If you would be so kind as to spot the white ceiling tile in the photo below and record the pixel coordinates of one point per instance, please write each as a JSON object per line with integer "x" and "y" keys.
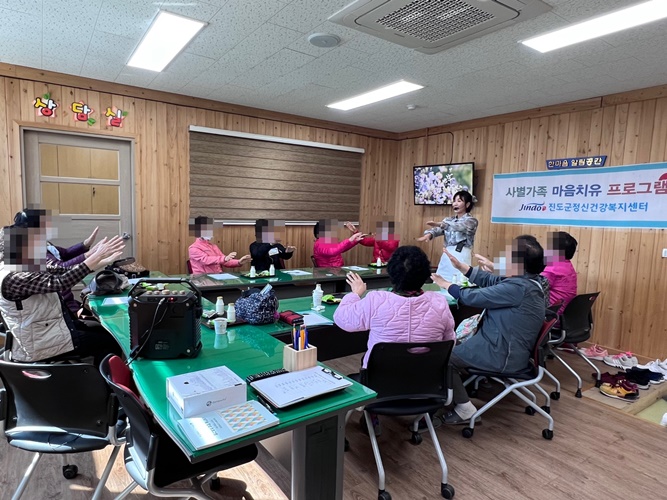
{"x": 196, "y": 91}
{"x": 127, "y": 18}
{"x": 137, "y": 77}
{"x": 166, "y": 83}
{"x": 25, "y": 6}
{"x": 110, "y": 47}
{"x": 304, "y": 15}
{"x": 188, "y": 66}
{"x": 70, "y": 66}
{"x": 273, "y": 67}
{"x": 100, "y": 69}
{"x": 194, "y": 9}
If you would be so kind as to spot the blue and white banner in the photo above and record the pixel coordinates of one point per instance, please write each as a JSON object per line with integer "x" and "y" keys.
{"x": 629, "y": 196}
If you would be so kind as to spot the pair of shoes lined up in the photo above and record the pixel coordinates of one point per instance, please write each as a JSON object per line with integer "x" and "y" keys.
{"x": 622, "y": 361}
{"x": 657, "y": 366}
{"x": 618, "y": 387}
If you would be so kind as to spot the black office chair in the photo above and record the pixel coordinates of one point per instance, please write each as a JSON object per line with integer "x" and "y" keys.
{"x": 312, "y": 258}
{"x": 188, "y": 266}
{"x": 419, "y": 387}
{"x": 58, "y": 409}
{"x": 517, "y": 384}
{"x": 153, "y": 459}
{"x": 551, "y": 313}
{"x": 576, "y": 325}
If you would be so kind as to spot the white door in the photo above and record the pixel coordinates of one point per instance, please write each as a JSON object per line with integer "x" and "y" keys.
{"x": 86, "y": 179}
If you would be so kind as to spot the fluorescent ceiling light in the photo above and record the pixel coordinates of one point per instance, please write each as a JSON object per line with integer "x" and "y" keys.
{"x": 376, "y": 95}
{"x": 164, "y": 40}
{"x": 604, "y": 25}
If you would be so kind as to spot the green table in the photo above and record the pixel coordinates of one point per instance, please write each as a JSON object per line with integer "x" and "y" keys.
{"x": 285, "y": 285}
{"x": 317, "y": 426}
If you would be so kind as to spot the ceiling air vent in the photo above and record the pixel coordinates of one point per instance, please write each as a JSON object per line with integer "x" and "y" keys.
{"x": 431, "y": 26}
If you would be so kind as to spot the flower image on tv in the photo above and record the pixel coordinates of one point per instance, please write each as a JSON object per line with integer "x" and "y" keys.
{"x": 437, "y": 184}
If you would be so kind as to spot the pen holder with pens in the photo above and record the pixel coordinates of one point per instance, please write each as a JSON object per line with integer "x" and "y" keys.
{"x": 294, "y": 360}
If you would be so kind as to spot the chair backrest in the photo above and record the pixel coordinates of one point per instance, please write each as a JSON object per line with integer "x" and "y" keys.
{"x": 67, "y": 398}
{"x": 188, "y": 266}
{"x": 143, "y": 433}
{"x": 577, "y": 320}
{"x": 542, "y": 340}
{"x": 416, "y": 368}
{"x": 552, "y": 310}
{"x": 312, "y": 258}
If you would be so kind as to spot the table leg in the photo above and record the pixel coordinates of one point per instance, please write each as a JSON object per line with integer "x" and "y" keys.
{"x": 317, "y": 459}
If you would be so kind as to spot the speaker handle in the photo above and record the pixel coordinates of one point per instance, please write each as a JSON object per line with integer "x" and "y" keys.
{"x": 165, "y": 281}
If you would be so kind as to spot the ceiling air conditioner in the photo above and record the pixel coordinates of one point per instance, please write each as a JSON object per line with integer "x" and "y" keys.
{"x": 431, "y": 26}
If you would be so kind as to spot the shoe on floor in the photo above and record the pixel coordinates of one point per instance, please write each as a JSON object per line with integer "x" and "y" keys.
{"x": 623, "y": 360}
{"x": 656, "y": 366}
{"x": 608, "y": 378}
{"x": 376, "y": 425}
{"x": 639, "y": 377}
{"x": 453, "y": 418}
{"x": 618, "y": 392}
{"x": 594, "y": 352}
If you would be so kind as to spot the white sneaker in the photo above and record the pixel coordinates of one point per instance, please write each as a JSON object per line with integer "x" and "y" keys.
{"x": 655, "y": 366}
{"x": 623, "y": 361}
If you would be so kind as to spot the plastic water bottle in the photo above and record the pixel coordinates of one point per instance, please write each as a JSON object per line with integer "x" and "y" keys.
{"x": 220, "y": 306}
{"x": 253, "y": 273}
{"x": 318, "y": 293}
{"x": 231, "y": 313}
{"x": 272, "y": 270}
{"x": 378, "y": 262}
{"x": 455, "y": 279}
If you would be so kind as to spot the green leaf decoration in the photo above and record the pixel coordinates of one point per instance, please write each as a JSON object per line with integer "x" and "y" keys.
{"x": 91, "y": 121}
{"x": 125, "y": 113}
{"x": 46, "y": 97}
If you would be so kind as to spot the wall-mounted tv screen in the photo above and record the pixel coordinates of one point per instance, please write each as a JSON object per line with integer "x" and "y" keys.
{"x": 437, "y": 184}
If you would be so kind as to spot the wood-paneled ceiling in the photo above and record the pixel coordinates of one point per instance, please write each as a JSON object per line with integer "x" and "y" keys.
{"x": 256, "y": 53}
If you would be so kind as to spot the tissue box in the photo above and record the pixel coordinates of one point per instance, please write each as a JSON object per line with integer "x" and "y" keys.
{"x": 205, "y": 390}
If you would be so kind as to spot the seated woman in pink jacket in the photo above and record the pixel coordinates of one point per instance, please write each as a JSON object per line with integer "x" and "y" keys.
{"x": 206, "y": 257}
{"x": 384, "y": 242}
{"x": 406, "y": 314}
{"x": 327, "y": 251}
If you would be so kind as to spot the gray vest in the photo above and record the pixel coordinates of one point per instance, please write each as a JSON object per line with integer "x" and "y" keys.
{"x": 38, "y": 328}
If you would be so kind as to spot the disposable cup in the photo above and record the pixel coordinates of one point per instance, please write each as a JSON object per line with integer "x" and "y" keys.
{"x": 220, "y": 325}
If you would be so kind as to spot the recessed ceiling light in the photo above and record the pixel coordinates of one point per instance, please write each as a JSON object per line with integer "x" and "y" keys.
{"x": 604, "y": 25}
{"x": 164, "y": 40}
{"x": 398, "y": 88}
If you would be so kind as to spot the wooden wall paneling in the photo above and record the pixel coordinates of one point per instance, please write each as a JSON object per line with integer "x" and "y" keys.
{"x": 14, "y": 98}
{"x": 5, "y": 167}
{"x": 163, "y": 175}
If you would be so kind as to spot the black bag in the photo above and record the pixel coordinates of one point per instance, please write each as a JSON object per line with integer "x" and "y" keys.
{"x": 257, "y": 308}
{"x": 106, "y": 283}
{"x": 128, "y": 267}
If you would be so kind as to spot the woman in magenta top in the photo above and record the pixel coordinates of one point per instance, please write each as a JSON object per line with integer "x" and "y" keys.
{"x": 559, "y": 271}
{"x": 206, "y": 257}
{"x": 327, "y": 251}
{"x": 384, "y": 243}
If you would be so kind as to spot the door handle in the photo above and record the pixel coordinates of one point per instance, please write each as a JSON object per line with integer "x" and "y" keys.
{"x": 125, "y": 235}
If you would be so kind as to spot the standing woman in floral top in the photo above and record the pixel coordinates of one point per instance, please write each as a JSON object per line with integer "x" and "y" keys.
{"x": 459, "y": 232}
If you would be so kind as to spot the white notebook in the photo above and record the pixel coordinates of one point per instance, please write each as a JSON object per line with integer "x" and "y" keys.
{"x": 294, "y": 387}
{"x": 215, "y": 427}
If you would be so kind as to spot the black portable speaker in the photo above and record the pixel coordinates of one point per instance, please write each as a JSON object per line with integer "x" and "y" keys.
{"x": 165, "y": 324}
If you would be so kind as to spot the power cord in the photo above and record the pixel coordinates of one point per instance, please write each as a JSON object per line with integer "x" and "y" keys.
{"x": 147, "y": 334}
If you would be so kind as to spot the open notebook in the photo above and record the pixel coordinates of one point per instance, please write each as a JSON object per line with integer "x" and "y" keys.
{"x": 294, "y": 387}
{"x": 232, "y": 422}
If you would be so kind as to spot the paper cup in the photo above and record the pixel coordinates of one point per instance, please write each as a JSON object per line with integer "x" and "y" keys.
{"x": 220, "y": 325}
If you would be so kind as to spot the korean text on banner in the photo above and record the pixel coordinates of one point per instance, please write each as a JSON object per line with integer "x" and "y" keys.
{"x": 628, "y": 196}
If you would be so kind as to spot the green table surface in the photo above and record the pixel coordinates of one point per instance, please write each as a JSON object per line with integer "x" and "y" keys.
{"x": 249, "y": 349}
{"x": 316, "y": 274}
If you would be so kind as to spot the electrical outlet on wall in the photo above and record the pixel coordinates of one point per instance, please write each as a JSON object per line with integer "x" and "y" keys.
{"x": 664, "y": 253}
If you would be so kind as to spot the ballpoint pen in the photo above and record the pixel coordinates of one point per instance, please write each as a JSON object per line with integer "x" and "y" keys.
{"x": 265, "y": 404}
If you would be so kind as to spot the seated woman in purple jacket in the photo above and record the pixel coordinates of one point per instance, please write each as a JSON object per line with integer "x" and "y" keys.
{"x": 406, "y": 314}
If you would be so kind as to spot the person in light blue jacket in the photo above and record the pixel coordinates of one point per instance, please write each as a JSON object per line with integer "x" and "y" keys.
{"x": 515, "y": 310}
